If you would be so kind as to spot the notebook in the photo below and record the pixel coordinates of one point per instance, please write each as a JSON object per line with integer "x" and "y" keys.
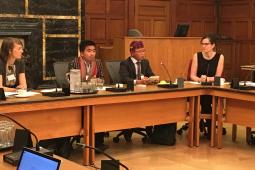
{"x": 33, "y": 160}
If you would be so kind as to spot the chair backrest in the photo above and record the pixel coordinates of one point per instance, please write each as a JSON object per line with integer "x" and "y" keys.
{"x": 113, "y": 68}
{"x": 60, "y": 70}
{"x": 134, "y": 33}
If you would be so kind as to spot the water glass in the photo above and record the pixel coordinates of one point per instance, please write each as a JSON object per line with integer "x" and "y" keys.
{"x": 93, "y": 83}
{"x": 77, "y": 87}
{"x": 7, "y": 133}
{"x": 100, "y": 83}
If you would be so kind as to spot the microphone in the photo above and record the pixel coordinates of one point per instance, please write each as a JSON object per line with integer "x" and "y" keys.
{"x": 166, "y": 70}
{"x": 116, "y": 162}
{"x": 13, "y": 158}
{"x": 170, "y": 85}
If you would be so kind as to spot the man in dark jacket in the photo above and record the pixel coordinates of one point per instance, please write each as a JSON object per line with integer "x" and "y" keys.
{"x": 136, "y": 68}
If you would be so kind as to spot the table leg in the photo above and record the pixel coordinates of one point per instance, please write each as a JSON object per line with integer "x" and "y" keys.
{"x": 197, "y": 120}
{"x": 191, "y": 121}
{"x": 86, "y": 134}
{"x": 220, "y": 122}
{"x": 213, "y": 126}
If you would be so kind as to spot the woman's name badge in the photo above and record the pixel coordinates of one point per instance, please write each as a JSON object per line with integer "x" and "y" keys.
{"x": 11, "y": 77}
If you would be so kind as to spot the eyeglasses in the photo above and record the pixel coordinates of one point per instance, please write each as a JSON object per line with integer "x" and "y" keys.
{"x": 205, "y": 43}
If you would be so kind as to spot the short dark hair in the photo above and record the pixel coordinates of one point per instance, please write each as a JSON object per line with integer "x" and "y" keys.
{"x": 85, "y": 43}
{"x": 211, "y": 37}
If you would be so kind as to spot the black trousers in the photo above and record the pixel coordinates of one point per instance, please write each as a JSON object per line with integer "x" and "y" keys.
{"x": 206, "y": 107}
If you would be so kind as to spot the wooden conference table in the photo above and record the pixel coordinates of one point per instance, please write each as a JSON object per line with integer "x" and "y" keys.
{"x": 239, "y": 109}
{"x": 106, "y": 111}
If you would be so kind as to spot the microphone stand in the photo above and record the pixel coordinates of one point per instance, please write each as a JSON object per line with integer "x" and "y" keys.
{"x": 170, "y": 85}
{"x": 99, "y": 150}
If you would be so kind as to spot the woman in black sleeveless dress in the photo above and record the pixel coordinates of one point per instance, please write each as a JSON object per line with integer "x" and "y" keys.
{"x": 205, "y": 66}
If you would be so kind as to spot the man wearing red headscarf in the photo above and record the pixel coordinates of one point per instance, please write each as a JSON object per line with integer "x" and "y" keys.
{"x": 136, "y": 68}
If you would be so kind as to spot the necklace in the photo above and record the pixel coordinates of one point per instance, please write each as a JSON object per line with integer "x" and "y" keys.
{"x": 209, "y": 56}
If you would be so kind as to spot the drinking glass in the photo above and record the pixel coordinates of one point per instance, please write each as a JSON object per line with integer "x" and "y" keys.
{"x": 100, "y": 83}
{"x": 77, "y": 87}
{"x": 93, "y": 83}
{"x": 7, "y": 133}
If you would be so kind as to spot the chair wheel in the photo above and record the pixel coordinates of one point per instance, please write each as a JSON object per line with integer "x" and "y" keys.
{"x": 116, "y": 140}
{"x": 179, "y": 132}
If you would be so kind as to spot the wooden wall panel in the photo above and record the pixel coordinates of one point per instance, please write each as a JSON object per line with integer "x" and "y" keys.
{"x": 253, "y": 29}
{"x": 238, "y": 23}
{"x": 160, "y": 18}
{"x": 241, "y": 29}
{"x": 238, "y": 13}
{"x": 105, "y": 19}
{"x": 152, "y": 17}
{"x": 116, "y": 28}
{"x": 202, "y": 9}
{"x": 156, "y": 14}
{"x": 227, "y": 28}
{"x": 117, "y": 8}
{"x": 160, "y": 28}
{"x": 98, "y": 25}
{"x": 95, "y": 6}
{"x": 196, "y": 28}
{"x": 235, "y": 9}
{"x": 227, "y": 48}
{"x": 210, "y": 26}
{"x": 182, "y": 9}
{"x": 200, "y": 14}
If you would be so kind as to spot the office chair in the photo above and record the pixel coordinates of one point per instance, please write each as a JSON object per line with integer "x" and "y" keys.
{"x": 113, "y": 69}
{"x": 134, "y": 33}
{"x": 60, "y": 70}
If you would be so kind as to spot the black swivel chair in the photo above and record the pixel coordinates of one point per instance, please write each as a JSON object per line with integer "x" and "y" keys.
{"x": 113, "y": 70}
{"x": 60, "y": 70}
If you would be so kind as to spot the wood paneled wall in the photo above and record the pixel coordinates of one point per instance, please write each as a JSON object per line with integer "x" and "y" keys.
{"x": 108, "y": 19}
{"x": 238, "y": 23}
{"x": 237, "y": 19}
{"x": 200, "y": 14}
{"x": 105, "y": 20}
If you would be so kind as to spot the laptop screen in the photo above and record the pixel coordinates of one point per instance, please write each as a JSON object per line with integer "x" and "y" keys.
{"x": 32, "y": 160}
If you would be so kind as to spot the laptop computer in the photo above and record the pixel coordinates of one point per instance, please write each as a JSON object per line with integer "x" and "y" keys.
{"x": 31, "y": 159}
